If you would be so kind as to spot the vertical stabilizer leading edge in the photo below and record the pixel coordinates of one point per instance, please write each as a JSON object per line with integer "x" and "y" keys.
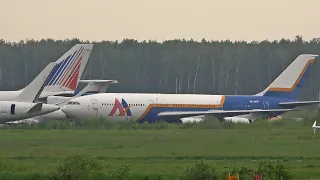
{"x": 34, "y": 89}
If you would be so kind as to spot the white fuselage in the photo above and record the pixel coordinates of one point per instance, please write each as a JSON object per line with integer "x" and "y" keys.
{"x": 55, "y": 115}
{"x": 11, "y": 95}
{"x": 52, "y": 115}
{"x": 11, "y": 111}
{"x": 114, "y": 106}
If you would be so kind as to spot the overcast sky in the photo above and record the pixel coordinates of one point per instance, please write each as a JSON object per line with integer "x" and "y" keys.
{"x": 98, "y": 20}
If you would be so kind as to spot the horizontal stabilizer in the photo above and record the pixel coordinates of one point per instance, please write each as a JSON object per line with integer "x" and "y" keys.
{"x": 217, "y": 113}
{"x": 99, "y": 81}
{"x": 298, "y": 103}
{"x": 95, "y": 86}
{"x": 36, "y": 108}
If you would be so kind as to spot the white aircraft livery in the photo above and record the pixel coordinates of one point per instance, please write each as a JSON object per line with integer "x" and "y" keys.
{"x": 24, "y": 105}
{"x": 281, "y": 96}
{"x": 93, "y": 86}
{"x": 64, "y": 78}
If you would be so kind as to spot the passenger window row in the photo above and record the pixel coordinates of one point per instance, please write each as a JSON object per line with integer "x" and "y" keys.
{"x": 111, "y": 104}
{"x": 251, "y": 106}
{"x": 189, "y": 105}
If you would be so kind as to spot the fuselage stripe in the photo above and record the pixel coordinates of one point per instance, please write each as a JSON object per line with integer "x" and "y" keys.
{"x": 63, "y": 72}
{"x": 63, "y": 67}
{"x": 56, "y": 77}
{"x": 56, "y": 71}
{"x": 66, "y": 75}
{"x": 73, "y": 78}
{"x": 73, "y": 73}
{"x": 209, "y": 106}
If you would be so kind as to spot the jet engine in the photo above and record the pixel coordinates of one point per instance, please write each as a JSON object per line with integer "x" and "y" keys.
{"x": 193, "y": 119}
{"x": 238, "y": 120}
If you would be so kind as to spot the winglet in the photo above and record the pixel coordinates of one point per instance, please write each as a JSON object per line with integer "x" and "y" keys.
{"x": 34, "y": 89}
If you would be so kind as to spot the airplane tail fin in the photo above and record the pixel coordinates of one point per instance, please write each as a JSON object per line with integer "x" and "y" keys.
{"x": 94, "y": 86}
{"x": 288, "y": 84}
{"x": 34, "y": 89}
{"x": 66, "y": 75}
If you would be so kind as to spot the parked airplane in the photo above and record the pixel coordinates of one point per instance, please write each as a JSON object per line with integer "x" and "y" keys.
{"x": 281, "y": 96}
{"x": 93, "y": 86}
{"x": 315, "y": 127}
{"x": 24, "y": 105}
{"x": 65, "y": 76}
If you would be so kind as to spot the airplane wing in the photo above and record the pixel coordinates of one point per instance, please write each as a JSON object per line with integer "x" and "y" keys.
{"x": 298, "y": 103}
{"x": 217, "y": 113}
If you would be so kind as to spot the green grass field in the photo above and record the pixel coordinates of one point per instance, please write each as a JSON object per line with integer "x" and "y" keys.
{"x": 170, "y": 149}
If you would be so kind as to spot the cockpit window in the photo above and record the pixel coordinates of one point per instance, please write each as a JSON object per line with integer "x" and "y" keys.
{"x": 73, "y": 102}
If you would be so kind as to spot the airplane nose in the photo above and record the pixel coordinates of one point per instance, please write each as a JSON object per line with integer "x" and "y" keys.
{"x": 48, "y": 108}
{"x": 66, "y": 109}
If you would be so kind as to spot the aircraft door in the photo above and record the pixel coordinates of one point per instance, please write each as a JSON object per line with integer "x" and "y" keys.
{"x": 95, "y": 105}
{"x": 12, "y": 109}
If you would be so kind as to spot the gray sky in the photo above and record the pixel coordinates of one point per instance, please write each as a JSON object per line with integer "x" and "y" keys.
{"x": 159, "y": 20}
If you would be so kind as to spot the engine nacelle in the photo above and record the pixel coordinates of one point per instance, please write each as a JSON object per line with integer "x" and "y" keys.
{"x": 194, "y": 119}
{"x": 237, "y": 120}
{"x": 24, "y": 121}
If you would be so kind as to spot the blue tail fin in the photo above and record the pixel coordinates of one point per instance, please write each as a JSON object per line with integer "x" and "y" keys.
{"x": 289, "y": 83}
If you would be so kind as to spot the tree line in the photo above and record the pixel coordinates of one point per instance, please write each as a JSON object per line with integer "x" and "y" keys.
{"x": 172, "y": 66}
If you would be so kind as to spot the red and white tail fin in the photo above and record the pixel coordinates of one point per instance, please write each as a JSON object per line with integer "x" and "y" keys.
{"x": 66, "y": 75}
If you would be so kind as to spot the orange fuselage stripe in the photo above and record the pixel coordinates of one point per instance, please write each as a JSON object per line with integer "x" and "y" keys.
{"x": 210, "y": 106}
